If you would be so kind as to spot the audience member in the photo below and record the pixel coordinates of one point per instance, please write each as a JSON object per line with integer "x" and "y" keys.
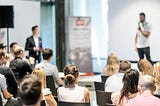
{"x": 48, "y": 67}
{"x": 30, "y": 91}
{"x": 18, "y": 65}
{"x": 3, "y": 86}
{"x": 112, "y": 65}
{"x": 71, "y": 92}
{"x": 156, "y": 74}
{"x": 48, "y": 97}
{"x": 12, "y": 47}
{"x": 145, "y": 67}
{"x": 9, "y": 75}
{"x": 129, "y": 89}
{"x": 3, "y": 48}
{"x": 111, "y": 84}
{"x": 34, "y": 44}
{"x": 146, "y": 89}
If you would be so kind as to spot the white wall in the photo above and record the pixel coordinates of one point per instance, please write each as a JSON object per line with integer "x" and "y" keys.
{"x": 26, "y": 15}
{"x": 123, "y": 20}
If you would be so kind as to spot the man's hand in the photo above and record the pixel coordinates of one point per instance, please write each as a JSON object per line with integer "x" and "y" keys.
{"x": 36, "y": 49}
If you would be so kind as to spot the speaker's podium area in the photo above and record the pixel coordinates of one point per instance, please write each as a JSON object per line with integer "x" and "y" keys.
{"x": 88, "y": 81}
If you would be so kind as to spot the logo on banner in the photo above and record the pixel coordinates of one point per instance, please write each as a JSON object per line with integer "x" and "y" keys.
{"x": 80, "y": 22}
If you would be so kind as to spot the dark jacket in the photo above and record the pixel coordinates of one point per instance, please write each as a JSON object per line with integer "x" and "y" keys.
{"x": 20, "y": 66}
{"x": 10, "y": 78}
{"x": 30, "y": 44}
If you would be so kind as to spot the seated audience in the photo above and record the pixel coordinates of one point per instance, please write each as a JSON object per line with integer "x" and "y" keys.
{"x": 9, "y": 75}
{"x": 50, "y": 70}
{"x": 71, "y": 92}
{"x": 3, "y": 86}
{"x": 112, "y": 65}
{"x": 156, "y": 74}
{"x": 145, "y": 67}
{"x": 111, "y": 84}
{"x": 48, "y": 97}
{"x": 18, "y": 65}
{"x": 146, "y": 89}
{"x": 30, "y": 91}
{"x": 129, "y": 89}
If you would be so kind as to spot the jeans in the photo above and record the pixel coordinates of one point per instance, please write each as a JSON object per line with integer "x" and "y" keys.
{"x": 144, "y": 51}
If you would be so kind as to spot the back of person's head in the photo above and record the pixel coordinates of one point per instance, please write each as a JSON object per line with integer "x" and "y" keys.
{"x": 71, "y": 73}
{"x": 2, "y": 58}
{"x": 47, "y": 53}
{"x": 130, "y": 82}
{"x": 146, "y": 82}
{"x": 18, "y": 50}
{"x": 145, "y": 67}
{"x": 112, "y": 59}
{"x": 156, "y": 74}
{"x": 30, "y": 90}
{"x": 124, "y": 66}
{"x": 41, "y": 75}
{"x": 112, "y": 65}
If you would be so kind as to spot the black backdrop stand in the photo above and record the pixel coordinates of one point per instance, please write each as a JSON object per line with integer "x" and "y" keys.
{"x": 8, "y": 40}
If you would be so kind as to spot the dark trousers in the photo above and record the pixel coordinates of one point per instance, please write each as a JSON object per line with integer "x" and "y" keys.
{"x": 144, "y": 51}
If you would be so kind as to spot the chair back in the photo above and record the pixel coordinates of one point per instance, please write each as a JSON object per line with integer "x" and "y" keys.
{"x": 103, "y": 98}
{"x": 156, "y": 95}
{"x": 99, "y": 86}
{"x": 50, "y": 84}
{"x": 1, "y": 101}
{"x": 104, "y": 78}
{"x": 60, "y": 103}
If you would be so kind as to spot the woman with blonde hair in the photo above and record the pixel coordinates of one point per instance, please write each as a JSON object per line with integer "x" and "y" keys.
{"x": 112, "y": 65}
{"x": 71, "y": 92}
{"x": 48, "y": 97}
{"x": 145, "y": 67}
{"x": 156, "y": 74}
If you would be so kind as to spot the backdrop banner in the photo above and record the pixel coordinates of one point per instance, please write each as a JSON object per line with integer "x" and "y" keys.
{"x": 79, "y": 39}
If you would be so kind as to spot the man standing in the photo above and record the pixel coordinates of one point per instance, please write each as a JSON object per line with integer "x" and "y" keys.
{"x": 34, "y": 44}
{"x": 142, "y": 39}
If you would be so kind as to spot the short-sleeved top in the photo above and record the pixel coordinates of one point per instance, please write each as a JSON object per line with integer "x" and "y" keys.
{"x": 75, "y": 94}
{"x": 3, "y": 86}
{"x": 143, "y": 41}
{"x": 114, "y": 83}
{"x": 49, "y": 69}
{"x": 144, "y": 101}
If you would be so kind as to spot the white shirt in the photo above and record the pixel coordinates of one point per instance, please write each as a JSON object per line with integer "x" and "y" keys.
{"x": 143, "y": 41}
{"x": 114, "y": 83}
{"x": 36, "y": 41}
{"x": 71, "y": 94}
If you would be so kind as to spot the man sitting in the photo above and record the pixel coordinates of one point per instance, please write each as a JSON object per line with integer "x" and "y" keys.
{"x": 48, "y": 67}
{"x": 146, "y": 89}
{"x": 18, "y": 65}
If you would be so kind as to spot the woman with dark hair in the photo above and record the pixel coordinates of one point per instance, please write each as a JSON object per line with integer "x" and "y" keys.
{"x": 71, "y": 92}
{"x": 129, "y": 89}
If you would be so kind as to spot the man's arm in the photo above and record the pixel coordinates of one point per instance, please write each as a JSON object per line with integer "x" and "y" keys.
{"x": 27, "y": 45}
{"x": 136, "y": 37}
{"x": 144, "y": 33}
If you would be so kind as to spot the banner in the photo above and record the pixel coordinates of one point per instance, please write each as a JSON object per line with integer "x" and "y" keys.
{"x": 79, "y": 40}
